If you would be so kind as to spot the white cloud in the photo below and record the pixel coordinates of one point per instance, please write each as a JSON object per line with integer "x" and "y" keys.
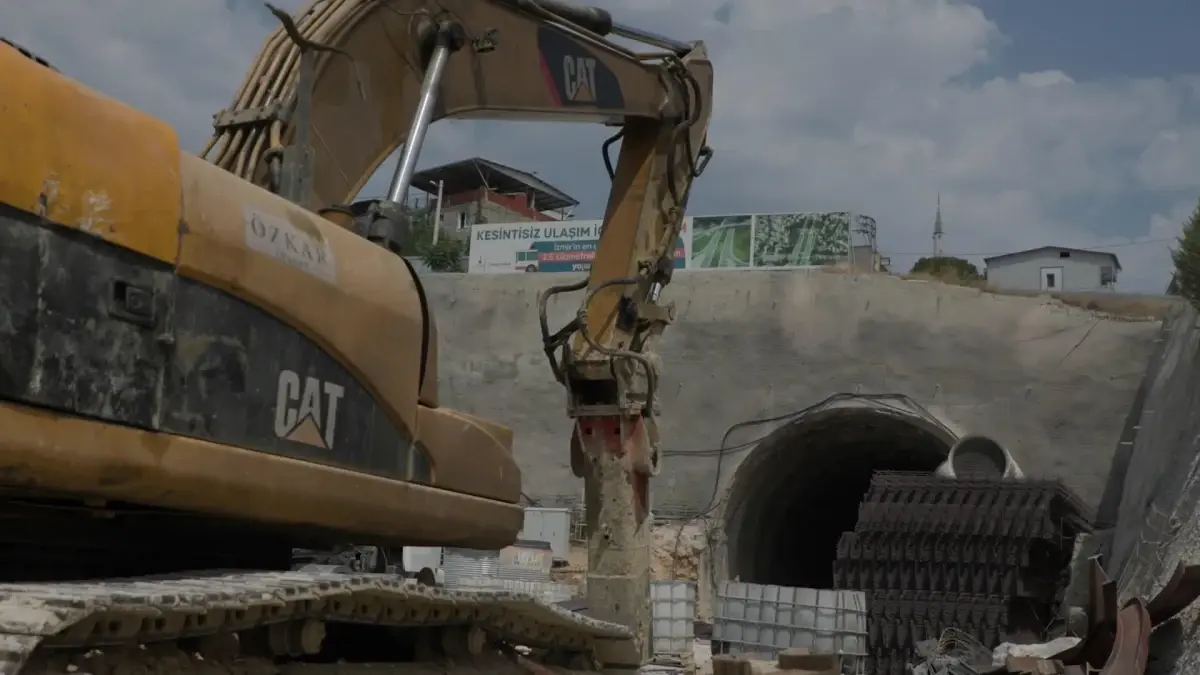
{"x": 1045, "y": 78}
{"x": 824, "y": 104}
{"x": 175, "y": 59}
{"x": 1171, "y": 160}
{"x": 1150, "y": 263}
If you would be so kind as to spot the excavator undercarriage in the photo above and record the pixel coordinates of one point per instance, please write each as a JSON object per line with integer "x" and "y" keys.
{"x": 213, "y": 369}
{"x": 228, "y": 620}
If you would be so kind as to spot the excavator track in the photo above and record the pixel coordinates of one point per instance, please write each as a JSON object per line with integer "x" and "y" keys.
{"x": 74, "y": 619}
{"x": 177, "y": 662}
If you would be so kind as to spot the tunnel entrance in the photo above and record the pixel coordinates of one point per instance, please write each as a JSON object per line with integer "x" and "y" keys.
{"x": 799, "y": 490}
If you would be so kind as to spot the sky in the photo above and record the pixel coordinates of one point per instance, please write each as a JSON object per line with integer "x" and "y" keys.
{"x": 1063, "y": 122}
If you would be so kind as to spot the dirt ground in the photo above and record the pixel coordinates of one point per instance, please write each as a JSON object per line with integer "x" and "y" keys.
{"x": 1110, "y": 304}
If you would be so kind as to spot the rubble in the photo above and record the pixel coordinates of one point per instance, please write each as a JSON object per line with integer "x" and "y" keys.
{"x": 675, "y": 555}
{"x": 1043, "y": 650}
{"x": 788, "y": 662}
{"x": 676, "y": 551}
{"x": 954, "y": 653}
{"x": 1118, "y": 641}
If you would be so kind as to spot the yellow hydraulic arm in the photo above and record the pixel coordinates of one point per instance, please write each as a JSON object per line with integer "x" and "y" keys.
{"x": 607, "y": 358}
{"x": 338, "y": 89}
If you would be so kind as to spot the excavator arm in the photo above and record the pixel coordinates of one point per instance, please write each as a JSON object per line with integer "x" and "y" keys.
{"x": 378, "y": 72}
{"x": 334, "y": 92}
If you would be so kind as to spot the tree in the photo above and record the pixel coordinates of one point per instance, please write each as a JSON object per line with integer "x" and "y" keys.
{"x": 444, "y": 256}
{"x": 1186, "y": 257}
{"x": 947, "y": 267}
{"x": 419, "y": 234}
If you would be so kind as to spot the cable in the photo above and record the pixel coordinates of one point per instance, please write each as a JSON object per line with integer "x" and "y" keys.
{"x": 882, "y": 400}
{"x": 879, "y": 399}
{"x": 1103, "y": 247}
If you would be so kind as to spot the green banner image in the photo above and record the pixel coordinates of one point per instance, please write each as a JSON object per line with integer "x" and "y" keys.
{"x": 799, "y": 239}
{"x": 720, "y": 241}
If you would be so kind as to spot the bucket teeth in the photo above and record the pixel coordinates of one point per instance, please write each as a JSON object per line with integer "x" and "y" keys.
{"x": 987, "y": 557}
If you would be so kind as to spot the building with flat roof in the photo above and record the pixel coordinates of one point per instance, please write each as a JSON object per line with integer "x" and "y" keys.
{"x": 479, "y": 190}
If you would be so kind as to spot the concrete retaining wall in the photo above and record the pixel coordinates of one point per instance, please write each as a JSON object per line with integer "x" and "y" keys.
{"x": 1052, "y": 383}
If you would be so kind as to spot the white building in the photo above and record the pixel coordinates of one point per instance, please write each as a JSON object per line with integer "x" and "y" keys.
{"x": 1053, "y": 269}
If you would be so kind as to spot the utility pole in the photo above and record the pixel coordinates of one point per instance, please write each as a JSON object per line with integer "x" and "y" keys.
{"x": 437, "y": 214}
{"x": 937, "y": 229}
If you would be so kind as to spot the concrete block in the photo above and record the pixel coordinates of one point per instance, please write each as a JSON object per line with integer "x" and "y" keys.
{"x": 801, "y": 659}
{"x": 726, "y": 664}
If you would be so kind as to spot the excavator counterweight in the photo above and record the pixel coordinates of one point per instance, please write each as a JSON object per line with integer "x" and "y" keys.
{"x": 214, "y": 365}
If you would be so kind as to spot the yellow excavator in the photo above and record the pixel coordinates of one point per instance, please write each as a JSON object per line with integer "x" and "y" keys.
{"x": 210, "y": 362}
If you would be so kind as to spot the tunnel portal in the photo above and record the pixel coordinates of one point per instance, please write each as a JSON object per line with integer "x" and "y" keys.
{"x": 801, "y": 486}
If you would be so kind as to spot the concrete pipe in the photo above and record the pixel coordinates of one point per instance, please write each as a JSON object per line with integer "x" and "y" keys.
{"x": 975, "y": 455}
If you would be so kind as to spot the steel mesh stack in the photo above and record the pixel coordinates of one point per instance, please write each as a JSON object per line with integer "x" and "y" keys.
{"x": 988, "y": 557}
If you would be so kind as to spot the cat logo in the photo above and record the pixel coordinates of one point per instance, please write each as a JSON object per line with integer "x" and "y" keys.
{"x": 579, "y": 76}
{"x": 307, "y": 414}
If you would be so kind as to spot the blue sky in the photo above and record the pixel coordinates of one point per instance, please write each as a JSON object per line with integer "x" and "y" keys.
{"x": 1099, "y": 40}
{"x": 1095, "y": 38}
{"x": 1040, "y": 122}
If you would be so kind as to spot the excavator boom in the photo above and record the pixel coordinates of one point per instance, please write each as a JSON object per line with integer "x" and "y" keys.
{"x": 314, "y": 122}
{"x": 484, "y": 59}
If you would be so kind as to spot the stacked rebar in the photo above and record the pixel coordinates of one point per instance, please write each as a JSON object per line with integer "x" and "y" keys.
{"x": 988, "y": 557}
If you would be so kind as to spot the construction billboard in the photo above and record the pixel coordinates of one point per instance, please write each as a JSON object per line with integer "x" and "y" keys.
{"x": 562, "y": 246}
{"x": 753, "y": 240}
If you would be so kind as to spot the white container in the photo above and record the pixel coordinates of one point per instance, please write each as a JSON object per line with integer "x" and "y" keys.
{"x": 547, "y": 592}
{"x": 464, "y": 566}
{"x": 673, "y": 616}
{"x": 526, "y": 561}
{"x": 550, "y": 525}
{"x": 753, "y": 618}
{"x": 417, "y": 557}
{"x": 523, "y": 561}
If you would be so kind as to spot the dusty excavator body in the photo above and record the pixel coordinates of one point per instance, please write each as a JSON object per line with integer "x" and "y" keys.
{"x": 206, "y": 365}
{"x": 181, "y": 339}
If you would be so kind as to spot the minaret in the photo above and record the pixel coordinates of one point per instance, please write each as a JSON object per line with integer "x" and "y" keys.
{"x": 937, "y": 229}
